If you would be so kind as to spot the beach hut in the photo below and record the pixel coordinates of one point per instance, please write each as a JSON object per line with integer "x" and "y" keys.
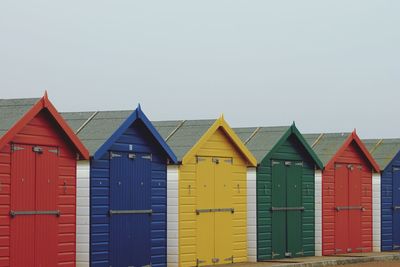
{"x": 123, "y": 223}
{"x": 344, "y": 221}
{"x": 207, "y": 193}
{"x": 283, "y": 223}
{"x": 38, "y": 154}
{"x": 386, "y": 192}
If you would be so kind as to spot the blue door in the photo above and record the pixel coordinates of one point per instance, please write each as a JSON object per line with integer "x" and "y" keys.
{"x": 130, "y": 209}
{"x": 396, "y": 208}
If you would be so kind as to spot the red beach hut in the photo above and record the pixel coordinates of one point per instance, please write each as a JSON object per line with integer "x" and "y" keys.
{"x": 38, "y": 154}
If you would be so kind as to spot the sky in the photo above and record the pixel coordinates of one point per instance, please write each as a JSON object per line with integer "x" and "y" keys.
{"x": 330, "y": 66}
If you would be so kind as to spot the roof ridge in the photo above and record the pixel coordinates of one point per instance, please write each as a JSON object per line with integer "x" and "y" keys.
{"x": 175, "y": 130}
{"x": 252, "y": 135}
{"x": 86, "y": 122}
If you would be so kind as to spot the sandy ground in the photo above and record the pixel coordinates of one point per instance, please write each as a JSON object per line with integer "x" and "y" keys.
{"x": 375, "y": 264}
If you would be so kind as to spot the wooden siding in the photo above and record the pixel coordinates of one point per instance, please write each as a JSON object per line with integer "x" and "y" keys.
{"x": 387, "y": 204}
{"x": 219, "y": 145}
{"x": 318, "y": 213}
{"x": 376, "y": 212}
{"x": 351, "y": 155}
{"x": 172, "y": 216}
{"x": 41, "y": 130}
{"x": 290, "y": 150}
{"x": 135, "y": 139}
{"x": 252, "y": 214}
{"x": 82, "y": 213}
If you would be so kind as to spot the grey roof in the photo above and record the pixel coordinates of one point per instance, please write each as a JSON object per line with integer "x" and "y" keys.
{"x": 383, "y": 150}
{"x": 182, "y": 135}
{"x": 95, "y": 128}
{"x": 326, "y": 145}
{"x": 12, "y": 110}
{"x": 261, "y": 140}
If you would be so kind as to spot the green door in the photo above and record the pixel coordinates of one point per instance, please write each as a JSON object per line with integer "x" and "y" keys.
{"x": 294, "y": 203}
{"x": 278, "y": 202}
{"x": 286, "y": 209}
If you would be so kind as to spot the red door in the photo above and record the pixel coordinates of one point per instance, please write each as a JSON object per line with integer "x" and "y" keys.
{"x": 347, "y": 208}
{"x": 34, "y": 214}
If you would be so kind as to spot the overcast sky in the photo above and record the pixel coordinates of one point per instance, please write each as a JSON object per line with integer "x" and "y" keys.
{"x": 328, "y": 65}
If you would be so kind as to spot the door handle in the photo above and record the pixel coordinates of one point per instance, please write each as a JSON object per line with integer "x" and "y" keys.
{"x": 119, "y": 212}
{"x": 339, "y": 208}
{"x": 287, "y": 209}
{"x": 14, "y": 213}
{"x": 231, "y": 210}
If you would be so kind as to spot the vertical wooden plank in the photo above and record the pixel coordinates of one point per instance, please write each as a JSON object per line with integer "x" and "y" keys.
{"x": 46, "y": 226}
{"x": 23, "y": 197}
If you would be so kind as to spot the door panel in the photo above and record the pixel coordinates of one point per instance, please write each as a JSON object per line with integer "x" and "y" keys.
{"x": 354, "y": 196}
{"x": 142, "y": 201}
{"x": 294, "y": 199}
{"x": 130, "y": 191}
{"x": 279, "y": 238}
{"x": 121, "y": 230}
{"x": 342, "y": 216}
{"x": 205, "y": 221}
{"x": 22, "y": 243}
{"x": 224, "y": 219}
{"x": 396, "y": 207}
{"x": 46, "y": 226}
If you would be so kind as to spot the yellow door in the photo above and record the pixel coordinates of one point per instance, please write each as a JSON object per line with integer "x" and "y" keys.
{"x": 214, "y": 211}
{"x": 224, "y": 211}
{"x": 205, "y": 217}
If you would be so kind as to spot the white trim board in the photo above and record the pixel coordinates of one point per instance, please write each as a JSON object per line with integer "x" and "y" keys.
{"x": 172, "y": 216}
{"x": 252, "y": 214}
{"x": 318, "y": 213}
{"x": 376, "y": 212}
{"x": 82, "y": 213}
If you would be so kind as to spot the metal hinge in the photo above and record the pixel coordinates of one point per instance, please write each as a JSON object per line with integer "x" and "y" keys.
{"x": 396, "y": 169}
{"x": 230, "y": 161}
{"x": 149, "y": 157}
{"x": 299, "y": 164}
{"x": 214, "y": 260}
{"x": 131, "y": 156}
{"x": 350, "y": 167}
{"x": 396, "y": 207}
{"x": 198, "y": 159}
{"x": 215, "y": 160}
{"x": 16, "y": 148}
{"x": 288, "y": 163}
{"x": 55, "y": 151}
{"x": 230, "y": 259}
{"x": 288, "y": 254}
{"x": 37, "y": 149}
{"x": 275, "y": 162}
{"x": 198, "y": 262}
{"x": 275, "y": 254}
{"x": 337, "y": 166}
{"x": 359, "y": 167}
{"x": 114, "y": 155}
{"x": 396, "y": 246}
{"x": 338, "y": 250}
{"x": 349, "y": 250}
